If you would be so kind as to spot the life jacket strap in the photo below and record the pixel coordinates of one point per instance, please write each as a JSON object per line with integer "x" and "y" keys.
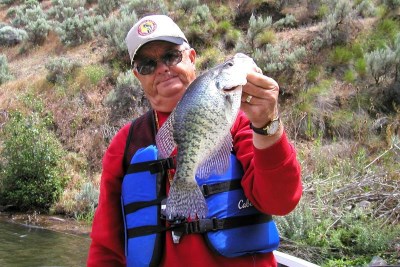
{"x": 206, "y": 225}
{"x": 145, "y": 230}
{"x": 154, "y": 166}
{"x": 211, "y": 189}
{"x": 134, "y": 206}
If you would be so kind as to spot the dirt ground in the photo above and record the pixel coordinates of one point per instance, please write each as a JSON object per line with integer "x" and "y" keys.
{"x": 55, "y": 223}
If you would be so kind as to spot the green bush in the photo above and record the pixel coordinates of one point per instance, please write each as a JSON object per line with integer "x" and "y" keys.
{"x": 62, "y": 9}
{"x": 283, "y": 57}
{"x": 7, "y": 2}
{"x": 33, "y": 176}
{"x": 38, "y": 27}
{"x": 4, "y": 70}
{"x": 257, "y": 26}
{"x": 341, "y": 55}
{"x": 86, "y": 202}
{"x": 186, "y": 5}
{"x": 337, "y": 24}
{"x": 145, "y": 7}
{"x": 105, "y": 7}
{"x": 10, "y": 36}
{"x": 127, "y": 97}
{"x": 33, "y": 19}
{"x": 59, "y": 69}
{"x": 115, "y": 30}
{"x": 391, "y": 4}
{"x": 78, "y": 29}
{"x": 289, "y": 21}
{"x": 380, "y": 63}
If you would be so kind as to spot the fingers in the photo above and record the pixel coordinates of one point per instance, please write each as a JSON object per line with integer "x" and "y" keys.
{"x": 260, "y": 98}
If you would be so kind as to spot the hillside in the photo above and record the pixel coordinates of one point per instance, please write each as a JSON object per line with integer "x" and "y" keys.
{"x": 337, "y": 64}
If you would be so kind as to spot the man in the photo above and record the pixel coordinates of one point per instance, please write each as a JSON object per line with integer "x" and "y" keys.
{"x": 164, "y": 63}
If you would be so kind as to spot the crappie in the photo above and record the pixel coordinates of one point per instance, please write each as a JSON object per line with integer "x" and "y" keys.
{"x": 200, "y": 126}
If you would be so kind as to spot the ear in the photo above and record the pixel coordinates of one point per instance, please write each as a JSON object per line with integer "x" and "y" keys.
{"x": 192, "y": 56}
{"x": 135, "y": 72}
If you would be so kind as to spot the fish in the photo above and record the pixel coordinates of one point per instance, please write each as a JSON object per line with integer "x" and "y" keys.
{"x": 199, "y": 126}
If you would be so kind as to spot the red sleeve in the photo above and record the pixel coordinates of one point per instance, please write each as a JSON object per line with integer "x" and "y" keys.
{"x": 107, "y": 247}
{"x": 272, "y": 180}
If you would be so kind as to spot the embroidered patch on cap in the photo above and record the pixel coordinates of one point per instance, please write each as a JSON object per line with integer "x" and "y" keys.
{"x": 147, "y": 27}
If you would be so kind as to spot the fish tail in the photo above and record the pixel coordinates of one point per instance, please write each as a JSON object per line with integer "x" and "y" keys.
{"x": 186, "y": 199}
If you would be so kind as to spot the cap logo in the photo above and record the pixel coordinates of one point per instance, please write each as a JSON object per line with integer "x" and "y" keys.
{"x": 147, "y": 27}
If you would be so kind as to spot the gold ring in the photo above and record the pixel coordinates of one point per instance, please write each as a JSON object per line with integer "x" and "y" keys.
{"x": 248, "y": 99}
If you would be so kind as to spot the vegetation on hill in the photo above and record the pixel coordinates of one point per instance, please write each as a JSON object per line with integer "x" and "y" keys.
{"x": 66, "y": 87}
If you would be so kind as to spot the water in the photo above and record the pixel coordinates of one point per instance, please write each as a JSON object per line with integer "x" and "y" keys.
{"x": 22, "y": 246}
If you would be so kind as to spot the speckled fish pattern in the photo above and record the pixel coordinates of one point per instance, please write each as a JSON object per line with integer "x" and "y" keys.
{"x": 200, "y": 127}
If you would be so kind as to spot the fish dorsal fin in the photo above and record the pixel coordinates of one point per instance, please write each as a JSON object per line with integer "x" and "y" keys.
{"x": 165, "y": 139}
{"x": 218, "y": 161}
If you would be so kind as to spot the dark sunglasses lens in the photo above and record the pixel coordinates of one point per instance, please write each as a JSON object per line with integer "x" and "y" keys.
{"x": 146, "y": 67}
{"x": 172, "y": 58}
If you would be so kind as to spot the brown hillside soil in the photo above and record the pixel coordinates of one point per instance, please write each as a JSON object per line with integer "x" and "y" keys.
{"x": 31, "y": 63}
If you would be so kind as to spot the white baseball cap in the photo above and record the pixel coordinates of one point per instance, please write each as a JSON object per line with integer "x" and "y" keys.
{"x": 153, "y": 28}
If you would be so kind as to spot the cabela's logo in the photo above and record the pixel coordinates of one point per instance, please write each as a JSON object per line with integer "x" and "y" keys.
{"x": 244, "y": 204}
{"x": 147, "y": 27}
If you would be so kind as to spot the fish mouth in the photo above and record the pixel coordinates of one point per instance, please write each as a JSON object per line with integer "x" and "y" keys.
{"x": 231, "y": 89}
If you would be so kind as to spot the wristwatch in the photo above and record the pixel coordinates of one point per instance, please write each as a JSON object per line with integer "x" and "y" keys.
{"x": 270, "y": 128}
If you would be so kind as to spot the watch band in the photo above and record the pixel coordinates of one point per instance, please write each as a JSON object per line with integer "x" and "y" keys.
{"x": 265, "y": 130}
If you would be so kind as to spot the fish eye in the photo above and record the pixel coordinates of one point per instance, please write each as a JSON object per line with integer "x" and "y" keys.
{"x": 229, "y": 64}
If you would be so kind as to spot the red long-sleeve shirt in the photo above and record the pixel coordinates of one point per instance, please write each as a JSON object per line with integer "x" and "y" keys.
{"x": 271, "y": 182}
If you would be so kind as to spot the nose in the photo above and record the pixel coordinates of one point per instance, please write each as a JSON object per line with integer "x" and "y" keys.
{"x": 161, "y": 67}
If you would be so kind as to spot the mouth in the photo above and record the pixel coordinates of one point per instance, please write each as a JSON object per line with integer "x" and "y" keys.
{"x": 231, "y": 89}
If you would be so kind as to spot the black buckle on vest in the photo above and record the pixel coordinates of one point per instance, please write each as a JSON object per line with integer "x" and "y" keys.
{"x": 202, "y": 226}
{"x": 161, "y": 165}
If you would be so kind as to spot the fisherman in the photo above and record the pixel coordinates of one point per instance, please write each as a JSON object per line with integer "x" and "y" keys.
{"x": 164, "y": 63}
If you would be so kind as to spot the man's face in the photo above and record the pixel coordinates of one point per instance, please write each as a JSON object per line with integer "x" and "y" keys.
{"x": 165, "y": 86}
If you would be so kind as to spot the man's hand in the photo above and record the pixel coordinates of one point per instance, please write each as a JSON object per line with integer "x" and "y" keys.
{"x": 260, "y": 103}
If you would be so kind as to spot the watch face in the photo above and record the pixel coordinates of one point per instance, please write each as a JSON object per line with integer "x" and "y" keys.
{"x": 273, "y": 127}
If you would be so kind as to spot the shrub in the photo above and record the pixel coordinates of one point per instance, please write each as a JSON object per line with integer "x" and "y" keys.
{"x": 37, "y": 27}
{"x": 94, "y": 73}
{"x": 337, "y": 25}
{"x": 185, "y": 5}
{"x": 10, "y": 36}
{"x": 257, "y": 26}
{"x": 360, "y": 66}
{"x": 277, "y": 58}
{"x": 127, "y": 97}
{"x": 33, "y": 19}
{"x": 379, "y": 63}
{"x": 392, "y": 4}
{"x": 366, "y": 8}
{"x": 349, "y": 76}
{"x": 7, "y": 2}
{"x": 33, "y": 176}
{"x": 78, "y": 29}
{"x": 4, "y": 70}
{"x": 59, "y": 69}
{"x": 288, "y": 21}
{"x": 105, "y": 7}
{"x": 145, "y": 7}
{"x": 86, "y": 202}
{"x": 340, "y": 56}
{"x": 62, "y": 9}
{"x": 115, "y": 30}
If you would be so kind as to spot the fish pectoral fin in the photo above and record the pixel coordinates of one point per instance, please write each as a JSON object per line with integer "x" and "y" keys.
{"x": 218, "y": 161}
{"x": 165, "y": 139}
{"x": 186, "y": 199}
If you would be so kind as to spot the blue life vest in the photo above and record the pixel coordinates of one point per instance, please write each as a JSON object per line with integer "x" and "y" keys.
{"x": 233, "y": 227}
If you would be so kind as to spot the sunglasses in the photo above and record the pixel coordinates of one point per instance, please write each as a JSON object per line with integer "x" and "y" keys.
{"x": 170, "y": 58}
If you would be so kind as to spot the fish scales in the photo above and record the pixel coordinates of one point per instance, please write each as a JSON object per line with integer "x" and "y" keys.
{"x": 200, "y": 127}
